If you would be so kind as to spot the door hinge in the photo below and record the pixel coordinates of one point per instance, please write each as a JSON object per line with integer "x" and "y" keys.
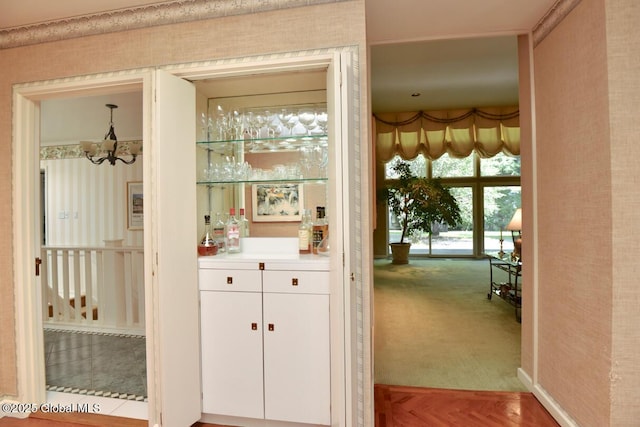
{"x": 38, "y": 262}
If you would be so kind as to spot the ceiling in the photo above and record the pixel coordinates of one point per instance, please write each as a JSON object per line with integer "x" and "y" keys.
{"x": 454, "y": 53}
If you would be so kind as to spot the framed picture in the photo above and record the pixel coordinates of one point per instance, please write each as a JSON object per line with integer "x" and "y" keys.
{"x": 135, "y": 205}
{"x": 277, "y": 202}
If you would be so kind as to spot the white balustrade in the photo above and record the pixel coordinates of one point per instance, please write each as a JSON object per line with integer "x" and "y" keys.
{"x": 93, "y": 288}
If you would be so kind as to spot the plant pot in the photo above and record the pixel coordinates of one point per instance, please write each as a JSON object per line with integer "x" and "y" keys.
{"x": 400, "y": 253}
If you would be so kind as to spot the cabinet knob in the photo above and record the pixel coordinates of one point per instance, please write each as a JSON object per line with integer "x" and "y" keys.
{"x": 229, "y": 280}
{"x": 271, "y": 327}
{"x": 294, "y": 281}
{"x": 254, "y": 326}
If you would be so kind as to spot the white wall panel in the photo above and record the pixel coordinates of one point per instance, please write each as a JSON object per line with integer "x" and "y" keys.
{"x": 86, "y": 203}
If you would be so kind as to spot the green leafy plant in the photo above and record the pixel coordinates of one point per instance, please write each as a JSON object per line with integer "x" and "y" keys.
{"x": 419, "y": 202}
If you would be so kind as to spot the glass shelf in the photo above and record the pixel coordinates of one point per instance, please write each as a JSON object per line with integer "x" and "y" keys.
{"x": 263, "y": 181}
{"x": 259, "y": 145}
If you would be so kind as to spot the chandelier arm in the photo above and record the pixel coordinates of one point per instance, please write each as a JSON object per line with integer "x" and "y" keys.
{"x": 95, "y": 162}
{"x": 127, "y": 162}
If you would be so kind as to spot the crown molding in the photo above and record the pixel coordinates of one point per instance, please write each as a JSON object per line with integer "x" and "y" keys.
{"x": 552, "y": 18}
{"x": 170, "y": 12}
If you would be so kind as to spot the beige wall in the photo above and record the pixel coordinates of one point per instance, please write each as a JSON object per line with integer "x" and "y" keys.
{"x": 623, "y": 66}
{"x": 328, "y": 25}
{"x": 586, "y": 94}
{"x": 526, "y": 200}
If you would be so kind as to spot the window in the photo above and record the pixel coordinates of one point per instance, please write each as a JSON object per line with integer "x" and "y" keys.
{"x": 487, "y": 190}
{"x": 449, "y": 167}
{"x": 499, "y": 205}
{"x": 500, "y": 165}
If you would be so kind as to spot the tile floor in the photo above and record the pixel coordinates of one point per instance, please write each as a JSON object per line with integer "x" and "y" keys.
{"x": 99, "y": 365}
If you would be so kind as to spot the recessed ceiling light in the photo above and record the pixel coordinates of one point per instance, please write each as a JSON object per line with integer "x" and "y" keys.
{"x": 415, "y": 94}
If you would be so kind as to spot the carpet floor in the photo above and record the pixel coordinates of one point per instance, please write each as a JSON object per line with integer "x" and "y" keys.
{"x": 435, "y": 327}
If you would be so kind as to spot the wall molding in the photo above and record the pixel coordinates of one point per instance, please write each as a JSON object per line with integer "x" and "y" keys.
{"x": 170, "y": 12}
{"x": 74, "y": 151}
{"x": 552, "y": 18}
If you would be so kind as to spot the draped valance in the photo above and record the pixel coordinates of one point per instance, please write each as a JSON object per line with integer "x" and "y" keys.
{"x": 488, "y": 131}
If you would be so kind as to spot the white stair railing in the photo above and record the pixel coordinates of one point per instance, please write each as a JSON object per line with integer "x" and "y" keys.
{"x": 93, "y": 288}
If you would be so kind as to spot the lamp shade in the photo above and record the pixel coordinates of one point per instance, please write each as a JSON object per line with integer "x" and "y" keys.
{"x": 516, "y": 222}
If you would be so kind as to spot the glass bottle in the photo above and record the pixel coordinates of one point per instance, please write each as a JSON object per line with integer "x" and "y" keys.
{"x": 305, "y": 233}
{"x": 232, "y": 233}
{"x": 244, "y": 224}
{"x": 218, "y": 233}
{"x": 208, "y": 245}
{"x": 320, "y": 228}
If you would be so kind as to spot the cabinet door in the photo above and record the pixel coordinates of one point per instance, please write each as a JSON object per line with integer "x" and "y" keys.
{"x": 231, "y": 328}
{"x": 171, "y": 290}
{"x": 297, "y": 358}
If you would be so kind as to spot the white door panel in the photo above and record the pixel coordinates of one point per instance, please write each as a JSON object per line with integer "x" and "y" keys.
{"x": 297, "y": 358}
{"x": 232, "y": 353}
{"x": 170, "y": 193}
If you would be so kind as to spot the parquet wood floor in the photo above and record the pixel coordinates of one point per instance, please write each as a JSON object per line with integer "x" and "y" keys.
{"x": 424, "y": 407}
{"x": 395, "y": 406}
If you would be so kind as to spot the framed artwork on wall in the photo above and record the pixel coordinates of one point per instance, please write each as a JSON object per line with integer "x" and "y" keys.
{"x": 135, "y": 205}
{"x": 280, "y": 202}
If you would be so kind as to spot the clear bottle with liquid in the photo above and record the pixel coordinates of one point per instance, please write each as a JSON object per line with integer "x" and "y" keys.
{"x": 218, "y": 233}
{"x": 305, "y": 233}
{"x": 320, "y": 229}
{"x": 232, "y": 233}
{"x": 207, "y": 245}
{"x": 244, "y": 224}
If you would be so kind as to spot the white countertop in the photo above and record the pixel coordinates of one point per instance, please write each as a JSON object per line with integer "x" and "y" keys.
{"x": 277, "y": 253}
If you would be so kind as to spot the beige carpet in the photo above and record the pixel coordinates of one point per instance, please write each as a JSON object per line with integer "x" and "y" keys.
{"x": 435, "y": 327}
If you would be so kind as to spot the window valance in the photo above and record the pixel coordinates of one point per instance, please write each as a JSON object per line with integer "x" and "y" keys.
{"x": 488, "y": 131}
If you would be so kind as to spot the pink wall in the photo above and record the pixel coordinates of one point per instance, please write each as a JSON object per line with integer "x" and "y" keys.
{"x": 586, "y": 89}
{"x": 526, "y": 197}
{"x": 623, "y": 66}
{"x": 327, "y": 25}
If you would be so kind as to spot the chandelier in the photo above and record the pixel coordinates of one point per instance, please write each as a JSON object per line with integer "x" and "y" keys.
{"x": 109, "y": 146}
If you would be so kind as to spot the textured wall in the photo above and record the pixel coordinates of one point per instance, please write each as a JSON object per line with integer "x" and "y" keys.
{"x": 574, "y": 178}
{"x": 623, "y": 45}
{"x": 328, "y": 25}
{"x": 526, "y": 198}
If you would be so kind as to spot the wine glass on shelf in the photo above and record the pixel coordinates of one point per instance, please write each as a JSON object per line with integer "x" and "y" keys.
{"x": 284, "y": 115}
{"x": 237, "y": 123}
{"x": 321, "y": 159}
{"x": 308, "y": 118}
{"x": 292, "y": 122}
{"x": 204, "y": 127}
{"x": 307, "y": 160}
{"x": 322, "y": 119}
{"x": 274, "y": 125}
{"x": 261, "y": 120}
{"x": 221, "y": 123}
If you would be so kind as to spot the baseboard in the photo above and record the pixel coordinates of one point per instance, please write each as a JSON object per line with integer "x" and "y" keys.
{"x": 525, "y": 379}
{"x": 95, "y": 329}
{"x": 250, "y": 422}
{"x": 14, "y": 409}
{"x": 547, "y": 401}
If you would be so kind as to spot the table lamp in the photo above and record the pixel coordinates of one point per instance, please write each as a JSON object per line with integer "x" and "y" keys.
{"x": 515, "y": 226}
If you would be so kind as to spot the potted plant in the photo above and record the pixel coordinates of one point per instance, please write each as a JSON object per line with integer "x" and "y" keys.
{"x": 418, "y": 203}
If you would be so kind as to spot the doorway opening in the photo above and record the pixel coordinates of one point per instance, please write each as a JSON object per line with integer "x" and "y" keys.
{"x": 432, "y": 300}
{"x": 92, "y": 259}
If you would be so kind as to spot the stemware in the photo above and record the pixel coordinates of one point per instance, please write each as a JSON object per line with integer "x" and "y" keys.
{"x": 322, "y": 118}
{"x": 274, "y": 124}
{"x": 204, "y": 127}
{"x": 307, "y": 117}
{"x": 292, "y": 122}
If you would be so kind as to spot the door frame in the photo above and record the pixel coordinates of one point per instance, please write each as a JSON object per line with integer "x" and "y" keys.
{"x": 26, "y": 212}
{"x": 351, "y": 382}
